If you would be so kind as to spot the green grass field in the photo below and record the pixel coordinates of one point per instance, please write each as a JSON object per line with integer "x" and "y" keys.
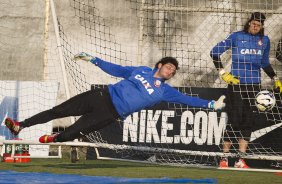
{"x": 138, "y": 170}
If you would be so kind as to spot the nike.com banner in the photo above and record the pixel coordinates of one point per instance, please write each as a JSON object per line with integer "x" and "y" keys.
{"x": 183, "y": 127}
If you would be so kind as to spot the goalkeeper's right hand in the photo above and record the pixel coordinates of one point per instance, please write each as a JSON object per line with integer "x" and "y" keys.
{"x": 228, "y": 78}
{"x": 83, "y": 56}
{"x": 218, "y": 104}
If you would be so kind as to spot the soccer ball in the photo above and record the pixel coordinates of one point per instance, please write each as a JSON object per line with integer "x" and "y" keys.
{"x": 265, "y": 100}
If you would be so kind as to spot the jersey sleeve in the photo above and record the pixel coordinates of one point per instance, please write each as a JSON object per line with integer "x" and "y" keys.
{"x": 113, "y": 69}
{"x": 221, "y": 47}
{"x": 279, "y": 51}
{"x": 265, "y": 56}
{"x": 173, "y": 95}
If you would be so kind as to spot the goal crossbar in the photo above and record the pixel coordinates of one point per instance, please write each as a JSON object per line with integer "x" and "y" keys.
{"x": 202, "y": 9}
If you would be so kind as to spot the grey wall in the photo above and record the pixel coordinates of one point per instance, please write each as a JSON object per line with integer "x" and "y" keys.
{"x": 22, "y": 33}
{"x": 21, "y": 45}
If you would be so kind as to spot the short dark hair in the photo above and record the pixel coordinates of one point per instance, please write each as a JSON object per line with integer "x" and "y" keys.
{"x": 257, "y": 16}
{"x": 166, "y": 60}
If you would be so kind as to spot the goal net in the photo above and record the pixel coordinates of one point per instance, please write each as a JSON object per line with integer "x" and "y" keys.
{"x": 139, "y": 33}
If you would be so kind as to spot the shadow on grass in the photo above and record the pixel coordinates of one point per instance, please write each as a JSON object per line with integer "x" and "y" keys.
{"x": 83, "y": 166}
{"x": 93, "y": 166}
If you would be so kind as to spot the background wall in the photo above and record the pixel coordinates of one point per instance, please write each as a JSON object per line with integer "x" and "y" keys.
{"x": 22, "y": 31}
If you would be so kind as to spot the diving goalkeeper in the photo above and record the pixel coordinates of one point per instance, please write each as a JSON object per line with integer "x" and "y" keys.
{"x": 142, "y": 87}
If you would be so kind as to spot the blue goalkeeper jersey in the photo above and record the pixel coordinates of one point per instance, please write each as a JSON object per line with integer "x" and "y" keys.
{"x": 140, "y": 89}
{"x": 250, "y": 53}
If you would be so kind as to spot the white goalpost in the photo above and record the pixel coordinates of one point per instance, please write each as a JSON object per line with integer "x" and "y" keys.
{"x": 139, "y": 33}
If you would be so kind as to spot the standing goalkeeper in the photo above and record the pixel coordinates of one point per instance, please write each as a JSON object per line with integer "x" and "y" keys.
{"x": 140, "y": 88}
{"x": 250, "y": 52}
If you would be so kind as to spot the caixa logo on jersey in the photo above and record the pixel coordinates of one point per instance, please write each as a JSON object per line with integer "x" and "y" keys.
{"x": 173, "y": 127}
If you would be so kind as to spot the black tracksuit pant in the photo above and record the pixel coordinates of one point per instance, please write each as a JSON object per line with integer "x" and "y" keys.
{"x": 95, "y": 108}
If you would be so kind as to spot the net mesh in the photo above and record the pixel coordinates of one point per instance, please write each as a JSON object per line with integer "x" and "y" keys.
{"x": 140, "y": 32}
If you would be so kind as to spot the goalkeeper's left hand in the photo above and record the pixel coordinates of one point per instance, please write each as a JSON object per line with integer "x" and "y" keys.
{"x": 277, "y": 84}
{"x": 83, "y": 56}
{"x": 218, "y": 104}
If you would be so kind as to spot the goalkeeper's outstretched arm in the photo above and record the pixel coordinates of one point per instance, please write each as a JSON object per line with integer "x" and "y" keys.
{"x": 110, "y": 68}
{"x": 175, "y": 96}
{"x": 113, "y": 69}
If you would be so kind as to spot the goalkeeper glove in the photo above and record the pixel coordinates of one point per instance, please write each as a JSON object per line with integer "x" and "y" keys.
{"x": 83, "y": 56}
{"x": 277, "y": 84}
{"x": 228, "y": 78}
{"x": 218, "y": 104}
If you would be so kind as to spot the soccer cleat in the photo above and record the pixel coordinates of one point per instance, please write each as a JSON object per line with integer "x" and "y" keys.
{"x": 241, "y": 164}
{"x": 223, "y": 163}
{"x": 13, "y": 126}
{"x": 48, "y": 138}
